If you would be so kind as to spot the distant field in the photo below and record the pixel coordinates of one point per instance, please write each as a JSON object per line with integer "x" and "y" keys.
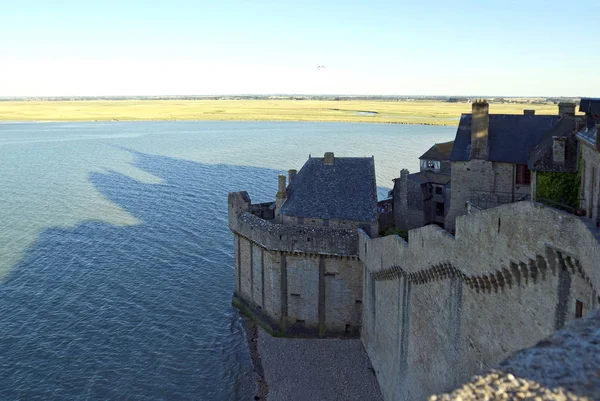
{"x": 398, "y": 112}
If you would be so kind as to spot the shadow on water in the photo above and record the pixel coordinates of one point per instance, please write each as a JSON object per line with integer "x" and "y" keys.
{"x": 137, "y": 312}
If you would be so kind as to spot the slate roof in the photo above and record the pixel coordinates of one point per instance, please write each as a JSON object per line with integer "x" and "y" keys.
{"x": 428, "y": 176}
{"x": 540, "y": 158}
{"x": 510, "y": 138}
{"x": 345, "y": 190}
{"x": 590, "y": 105}
{"x": 439, "y": 151}
{"x": 588, "y": 135}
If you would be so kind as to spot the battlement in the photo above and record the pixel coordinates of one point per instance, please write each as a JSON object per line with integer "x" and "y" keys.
{"x": 297, "y": 239}
{"x": 295, "y": 279}
{"x": 510, "y": 277}
{"x": 272, "y": 236}
{"x": 487, "y": 240}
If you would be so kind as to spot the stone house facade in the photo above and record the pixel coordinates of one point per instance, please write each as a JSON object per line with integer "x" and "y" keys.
{"x": 589, "y": 138}
{"x": 423, "y": 198}
{"x": 491, "y": 154}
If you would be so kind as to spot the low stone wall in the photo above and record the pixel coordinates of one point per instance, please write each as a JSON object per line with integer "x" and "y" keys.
{"x": 441, "y": 308}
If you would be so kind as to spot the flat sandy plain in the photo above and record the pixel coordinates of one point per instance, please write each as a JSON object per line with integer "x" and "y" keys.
{"x": 395, "y": 112}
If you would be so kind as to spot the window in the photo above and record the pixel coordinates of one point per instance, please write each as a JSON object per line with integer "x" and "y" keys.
{"x": 439, "y": 209}
{"x": 430, "y": 164}
{"x": 578, "y": 309}
{"x": 523, "y": 175}
{"x": 438, "y": 190}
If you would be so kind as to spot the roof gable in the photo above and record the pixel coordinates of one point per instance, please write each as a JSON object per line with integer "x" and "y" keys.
{"x": 424, "y": 177}
{"x": 439, "y": 152}
{"x": 541, "y": 157}
{"x": 345, "y": 190}
{"x": 510, "y": 138}
{"x": 590, "y": 105}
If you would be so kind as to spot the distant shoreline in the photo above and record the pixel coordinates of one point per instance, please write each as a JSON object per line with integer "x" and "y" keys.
{"x": 436, "y": 113}
{"x": 440, "y": 124}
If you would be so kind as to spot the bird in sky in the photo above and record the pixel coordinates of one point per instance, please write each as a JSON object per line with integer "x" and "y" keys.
{"x": 320, "y": 66}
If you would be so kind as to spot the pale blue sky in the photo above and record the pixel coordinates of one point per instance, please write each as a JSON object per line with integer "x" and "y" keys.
{"x": 179, "y": 47}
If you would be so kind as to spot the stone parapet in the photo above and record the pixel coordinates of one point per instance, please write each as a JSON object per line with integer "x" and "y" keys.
{"x": 296, "y": 238}
{"x": 488, "y": 241}
{"x": 562, "y": 367}
{"x": 451, "y": 306}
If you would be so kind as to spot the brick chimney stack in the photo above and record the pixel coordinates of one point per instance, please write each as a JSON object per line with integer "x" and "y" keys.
{"x": 480, "y": 124}
{"x": 559, "y": 144}
{"x": 291, "y": 175}
{"x": 281, "y": 195}
{"x": 566, "y": 109}
{"x": 329, "y": 158}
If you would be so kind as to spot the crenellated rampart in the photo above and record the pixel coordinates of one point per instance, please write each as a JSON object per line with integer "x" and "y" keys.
{"x": 297, "y": 239}
{"x": 295, "y": 279}
{"x": 441, "y": 308}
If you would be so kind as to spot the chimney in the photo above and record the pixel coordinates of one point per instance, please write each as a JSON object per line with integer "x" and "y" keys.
{"x": 281, "y": 188}
{"x": 558, "y": 149}
{"x": 291, "y": 175}
{"x": 280, "y": 197}
{"x": 528, "y": 112}
{"x": 480, "y": 125}
{"x": 566, "y": 109}
{"x": 328, "y": 159}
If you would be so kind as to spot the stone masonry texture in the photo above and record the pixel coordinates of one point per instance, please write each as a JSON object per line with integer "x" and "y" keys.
{"x": 442, "y": 308}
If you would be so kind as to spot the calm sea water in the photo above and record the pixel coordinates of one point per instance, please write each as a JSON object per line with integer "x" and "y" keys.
{"x": 116, "y": 264}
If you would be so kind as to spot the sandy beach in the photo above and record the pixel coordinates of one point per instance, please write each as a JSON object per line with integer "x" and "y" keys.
{"x": 310, "y": 369}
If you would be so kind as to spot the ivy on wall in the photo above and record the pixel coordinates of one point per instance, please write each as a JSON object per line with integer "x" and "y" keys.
{"x": 559, "y": 190}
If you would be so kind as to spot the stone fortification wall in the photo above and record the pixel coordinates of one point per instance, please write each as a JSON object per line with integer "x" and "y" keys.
{"x": 367, "y": 226}
{"x": 301, "y": 280}
{"x": 563, "y": 367}
{"x": 441, "y": 308}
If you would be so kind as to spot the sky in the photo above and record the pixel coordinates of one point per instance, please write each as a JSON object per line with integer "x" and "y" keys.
{"x": 221, "y": 47}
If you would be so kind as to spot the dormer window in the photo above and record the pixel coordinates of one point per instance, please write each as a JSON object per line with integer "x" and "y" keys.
{"x": 430, "y": 165}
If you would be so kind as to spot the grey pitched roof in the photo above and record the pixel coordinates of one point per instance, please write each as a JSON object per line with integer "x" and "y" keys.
{"x": 345, "y": 190}
{"x": 588, "y": 135}
{"x": 590, "y": 105}
{"x": 427, "y": 176}
{"x": 540, "y": 158}
{"x": 510, "y": 138}
{"x": 439, "y": 151}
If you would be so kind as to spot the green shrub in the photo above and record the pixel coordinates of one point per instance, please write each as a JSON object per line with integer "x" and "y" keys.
{"x": 395, "y": 231}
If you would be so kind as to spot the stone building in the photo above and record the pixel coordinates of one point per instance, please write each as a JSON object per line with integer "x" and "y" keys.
{"x": 331, "y": 192}
{"x": 589, "y": 138}
{"x": 296, "y": 264}
{"x": 557, "y": 152}
{"x": 439, "y": 308}
{"x": 490, "y": 157}
{"x": 423, "y": 198}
